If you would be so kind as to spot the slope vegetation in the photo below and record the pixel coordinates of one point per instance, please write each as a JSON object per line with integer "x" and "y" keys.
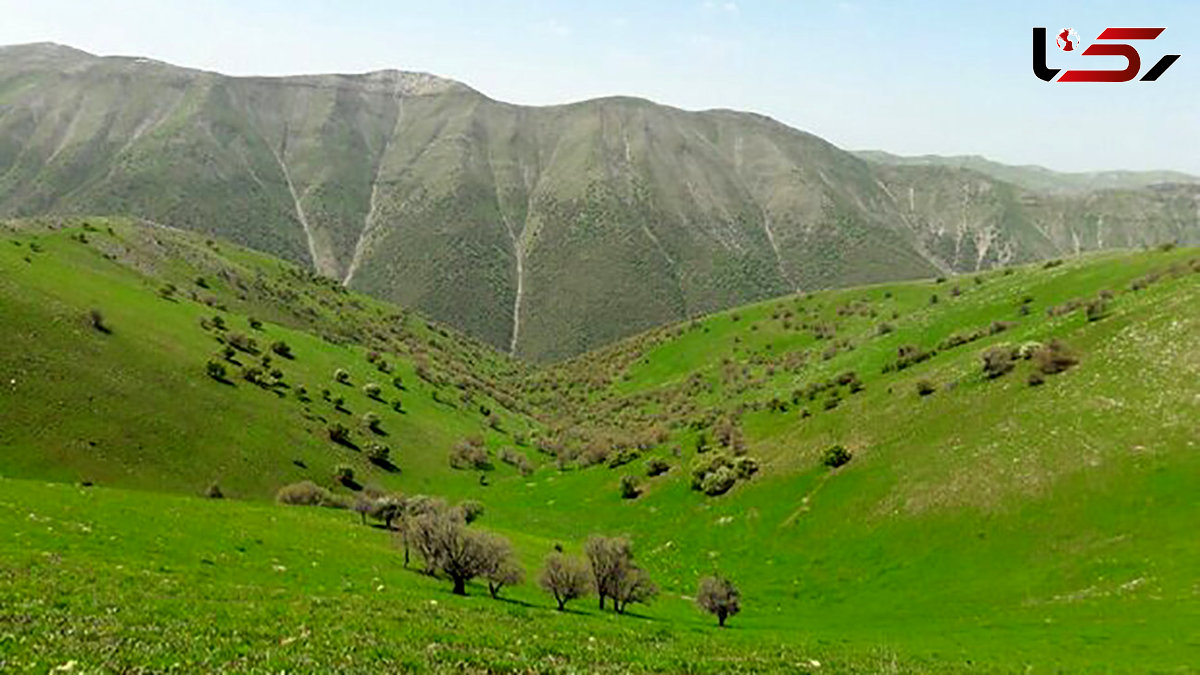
{"x": 1033, "y": 516}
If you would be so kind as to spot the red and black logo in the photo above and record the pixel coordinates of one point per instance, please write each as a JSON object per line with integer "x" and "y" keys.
{"x": 1068, "y": 41}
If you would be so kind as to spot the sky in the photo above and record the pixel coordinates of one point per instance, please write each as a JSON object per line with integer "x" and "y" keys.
{"x": 905, "y": 77}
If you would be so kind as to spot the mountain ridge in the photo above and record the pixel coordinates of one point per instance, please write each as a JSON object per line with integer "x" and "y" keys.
{"x": 543, "y": 230}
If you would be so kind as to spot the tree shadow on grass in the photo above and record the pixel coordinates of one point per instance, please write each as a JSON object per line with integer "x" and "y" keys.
{"x": 386, "y": 465}
{"x": 347, "y": 443}
{"x": 513, "y": 601}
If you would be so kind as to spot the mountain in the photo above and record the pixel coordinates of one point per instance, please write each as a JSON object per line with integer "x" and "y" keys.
{"x": 1020, "y": 494}
{"x": 544, "y": 231}
{"x": 1038, "y": 178}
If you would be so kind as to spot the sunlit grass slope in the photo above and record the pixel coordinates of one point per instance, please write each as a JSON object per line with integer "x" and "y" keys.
{"x": 990, "y": 525}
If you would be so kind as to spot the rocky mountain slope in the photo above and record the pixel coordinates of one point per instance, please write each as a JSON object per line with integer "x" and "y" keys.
{"x": 544, "y": 231}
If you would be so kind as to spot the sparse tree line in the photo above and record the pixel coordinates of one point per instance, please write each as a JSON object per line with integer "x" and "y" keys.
{"x": 441, "y": 536}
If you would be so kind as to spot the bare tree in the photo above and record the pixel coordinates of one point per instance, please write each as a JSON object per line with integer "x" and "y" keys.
{"x": 413, "y": 536}
{"x": 364, "y": 505}
{"x": 717, "y": 595}
{"x": 633, "y": 585}
{"x": 565, "y": 577}
{"x": 388, "y": 509}
{"x": 502, "y": 569}
{"x": 608, "y": 556}
{"x": 451, "y": 549}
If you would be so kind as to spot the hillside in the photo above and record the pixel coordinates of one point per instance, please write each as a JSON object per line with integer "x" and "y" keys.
{"x": 543, "y": 231}
{"x": 1038, "y": 178}
{"x": 1036, "y": 521}
{"x": 130, "y": 402}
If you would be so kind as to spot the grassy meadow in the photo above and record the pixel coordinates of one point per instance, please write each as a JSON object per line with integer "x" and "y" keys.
{"x": 983, "y": 524}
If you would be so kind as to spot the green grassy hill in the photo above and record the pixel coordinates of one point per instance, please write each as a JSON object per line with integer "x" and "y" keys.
{"x": 543, "y": 231}
{"x": 135, "y": 407}
{"x": 989, "y": 525}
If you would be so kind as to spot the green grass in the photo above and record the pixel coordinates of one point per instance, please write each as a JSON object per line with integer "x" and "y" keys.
{"x": 989, "y": 527}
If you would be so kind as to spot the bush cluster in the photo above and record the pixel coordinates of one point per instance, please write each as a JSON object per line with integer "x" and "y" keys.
{"x": 715, "y": 473}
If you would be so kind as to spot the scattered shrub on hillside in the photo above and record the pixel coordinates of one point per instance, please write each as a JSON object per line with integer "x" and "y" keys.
{"x": 907, "y": 356}
{"x": 999, "y": 360}
{"x": 201, "y": 282}
{"x": 379, "y": 454}
{"x": 517, "y": 460}
{"x": 397, "y": 406}
{"x": 1036, "y": 379}
{"x": 745, "y": 467}
{"x": 96, "y": 320}
{"x": 214, "y": 492}
{"x": 925, "y": 387}
{"x": 372, "y": 422}
{"x": 253, "y": 375}
{"x": 398, "y": 382}
{"x": 997, "y": 327}
{"x": 167, "y": 292}
{"x": 308, "y": 493}
{"x": 656, "y": 466}
{"x": 1054, "y": 357}
{"x": 470, "y": 453}
{"x": 1096, "y": 309}
{"x": 341, "y": 376}
{"x": 372, "y": 390}
{"x": 471, "y": 510}
{"x": 719, "y": 597}
{"x": 1049, "y": 264}
{"x": 884, "y": 328}
{"x": 344, "y": 474}
{"x": 716, "y": 473}
{"x": 566, "y": 578}
{"x": 339, "y": 433}
{"x": 835, "y": 456}
{"x": 1066, "y": 307}
{"x": 283, "y": 349}
{"x": 255, "y": 324}
{"x": 339, "y": 403}
{"x": 216, "y": 370}
{"x": 933, "y": 299}
{"x": 630, "y": 487}
{"x": 242, "y": 343}
{"x": 229, "y": 353}
{"x": 218, "y": 322}
{"x": 702, "y": 445}
{"x": 623, "y": 457}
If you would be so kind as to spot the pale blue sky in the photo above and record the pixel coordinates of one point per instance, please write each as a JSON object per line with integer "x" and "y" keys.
{"x": 907, "y": 77}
